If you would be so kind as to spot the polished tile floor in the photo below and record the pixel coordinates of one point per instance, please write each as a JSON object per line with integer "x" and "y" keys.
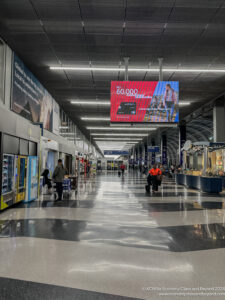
{"x": 111, "y": 240}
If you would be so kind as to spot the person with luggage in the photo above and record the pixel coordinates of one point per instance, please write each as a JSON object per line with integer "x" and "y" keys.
{"x": 58, "y": 177}
{"x": 156, "y": 177}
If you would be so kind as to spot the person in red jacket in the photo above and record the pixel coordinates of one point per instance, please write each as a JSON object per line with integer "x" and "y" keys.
{"x": 155, "y": 173}
{"x": 122, "y": 168}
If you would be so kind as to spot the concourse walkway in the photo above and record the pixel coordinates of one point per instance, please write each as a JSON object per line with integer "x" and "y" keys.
{"x": 111, "y": 240}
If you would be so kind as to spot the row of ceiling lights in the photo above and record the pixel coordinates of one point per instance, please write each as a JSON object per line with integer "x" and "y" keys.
{"x": 91, "y": 102}
{"x": 138, "y": 70}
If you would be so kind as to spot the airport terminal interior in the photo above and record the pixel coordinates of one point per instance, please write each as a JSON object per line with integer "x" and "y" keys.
{"x": 112, "y": 149}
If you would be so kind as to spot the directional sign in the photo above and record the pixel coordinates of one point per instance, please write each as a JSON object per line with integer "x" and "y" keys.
{"x": 153, "y": 149}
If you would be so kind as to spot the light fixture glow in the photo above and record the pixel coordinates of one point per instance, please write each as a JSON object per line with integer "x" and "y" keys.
{"x": 110, "y": 69}
{"x": 120, "y": 134}
{"x": 89, "y": 102}
{"x": 184, "y": 103}
{"x": 67, "y": 133}
{"x": 95, "y": 118}
{"x": 63, "y": 127}
{"x": 118, "y": 139}
{"x": 122, "y": 128}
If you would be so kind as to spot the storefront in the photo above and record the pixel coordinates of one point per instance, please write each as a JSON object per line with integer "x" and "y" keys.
{"x": 50, "y": 155}
{"x": 203, "y": 166}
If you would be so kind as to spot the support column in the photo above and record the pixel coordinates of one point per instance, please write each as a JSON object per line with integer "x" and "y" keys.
{"x": 182, "y": 140}
{"x": 136, "y": 156}
{"x": 146, "y": 154}
{"x": 160, "y": 69}
{"x": 164, "y": 149}
{"x": 140, "y": 155}
{"x": 219, "y": 122}
{"x": 153, "y": 153}
{"x": 126, "y": 61}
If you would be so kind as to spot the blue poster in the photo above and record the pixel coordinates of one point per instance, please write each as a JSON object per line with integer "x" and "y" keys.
{"x": 116, "y": 152}
{"x": 152, "y": 149}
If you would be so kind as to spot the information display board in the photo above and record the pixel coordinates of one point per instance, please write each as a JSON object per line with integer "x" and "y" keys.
{"x": 145, "y": 101}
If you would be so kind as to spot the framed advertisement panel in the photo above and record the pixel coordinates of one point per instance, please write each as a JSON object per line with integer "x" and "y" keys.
{"x": 145, "y": 101}
{"x": 29, "y": 98}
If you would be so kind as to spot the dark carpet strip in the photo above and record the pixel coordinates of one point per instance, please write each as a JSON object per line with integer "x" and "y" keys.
{"x": 13, "y": 289}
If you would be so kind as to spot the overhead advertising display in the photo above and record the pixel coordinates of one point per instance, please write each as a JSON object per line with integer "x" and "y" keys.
{"x": 145, "y": 101}
{"x": 28, "y": 97}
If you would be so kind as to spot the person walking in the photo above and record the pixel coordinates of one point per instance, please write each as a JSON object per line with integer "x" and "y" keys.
{"x": 122, "y": 168}
{"x": 155, "y": 174}
{"x": 46, "y": 180}
{"x": 58, "y": 177}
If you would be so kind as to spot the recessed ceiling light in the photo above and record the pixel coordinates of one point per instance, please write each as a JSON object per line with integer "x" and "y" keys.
{"x": 95, "y": 118}
{"x": 110, "y": 69}
{"x": 89, "y": 102}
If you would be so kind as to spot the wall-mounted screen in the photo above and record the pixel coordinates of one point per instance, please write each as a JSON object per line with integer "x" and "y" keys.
{"x": 145, "y": 101}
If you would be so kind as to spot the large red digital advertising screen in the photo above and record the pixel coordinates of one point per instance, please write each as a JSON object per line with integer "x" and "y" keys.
{"x": 145, "y": 101}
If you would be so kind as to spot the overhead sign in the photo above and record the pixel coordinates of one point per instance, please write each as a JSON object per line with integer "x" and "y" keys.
{"x": 116, "y": 152}
{"x": 145, "y": 101}
{"x": 153, "y": 149}
{"x": 29, "y": 98}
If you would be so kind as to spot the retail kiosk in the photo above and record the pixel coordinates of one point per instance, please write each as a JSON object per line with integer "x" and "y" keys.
{"x": 203, "y": 166}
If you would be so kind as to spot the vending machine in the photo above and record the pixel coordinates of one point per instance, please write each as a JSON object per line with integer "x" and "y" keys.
{"x": 21, "y": 177}
{"x": 32, "y": 179}
{"x": 8, "y": 182}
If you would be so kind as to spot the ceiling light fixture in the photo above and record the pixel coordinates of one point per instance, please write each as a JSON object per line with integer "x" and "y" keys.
{"x": 122, "y": 128}
{"x": 119, "y": 139}
{"x": 110, "y": 69}
{"x": 63, "y": 127}
{"x": 95, "y": 118}
{"x": 89, "y": 102}
{"x": 67, "y": 133}
{"x": 184, "y": 103}
{"x": 120, "y": 134}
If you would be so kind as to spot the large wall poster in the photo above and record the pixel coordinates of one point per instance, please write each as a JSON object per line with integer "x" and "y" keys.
{"x": 46, "y": 114}
{"x": 145, "y": 101}
{"x": 56, "y": 118}
{"x": 28, "y": 97}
